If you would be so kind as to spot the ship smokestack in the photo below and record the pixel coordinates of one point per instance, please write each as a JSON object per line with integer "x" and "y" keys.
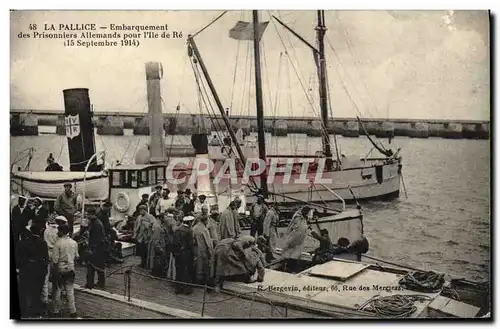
{"x": 79, "y": 129}
{"x": 154, "y": 72}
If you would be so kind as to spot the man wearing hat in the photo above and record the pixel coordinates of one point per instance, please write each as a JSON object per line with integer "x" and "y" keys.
{"x": 153, "y": 199}
{"x": 142, "y": 233}
{"x": 50, "y": 235}
{"x": 19, "y": 218}
{"x": 144, "y": 201}
{"x": 183, "y": 254}
{"x": 65, "y": 205}
{"x": 64, "y": 255}
{"x": 257, "y": 215}
{"x": 179, "y": 202}
{"x": 188, "y": 207}
{"x": 97, "y": 251}
{"x": 40, "y": 213}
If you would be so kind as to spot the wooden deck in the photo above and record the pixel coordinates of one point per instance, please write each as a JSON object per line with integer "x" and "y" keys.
{"x": 160, "y": 292}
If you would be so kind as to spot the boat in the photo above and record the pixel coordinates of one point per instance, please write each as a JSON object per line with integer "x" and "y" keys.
{"x": 87, "y": 173}
{"x": 368, "y": 177}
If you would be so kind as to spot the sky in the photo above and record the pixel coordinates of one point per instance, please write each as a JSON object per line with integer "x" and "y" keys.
{"x": 381, "y": 64}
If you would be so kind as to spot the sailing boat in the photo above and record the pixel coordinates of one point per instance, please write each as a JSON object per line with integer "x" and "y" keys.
{"x": 368, "y": 178}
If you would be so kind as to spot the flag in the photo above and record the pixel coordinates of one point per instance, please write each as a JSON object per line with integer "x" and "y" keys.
{"x": 244, "y": 30}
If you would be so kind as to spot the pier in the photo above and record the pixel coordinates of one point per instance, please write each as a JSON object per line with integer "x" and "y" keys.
{"x": 26, "y": 122}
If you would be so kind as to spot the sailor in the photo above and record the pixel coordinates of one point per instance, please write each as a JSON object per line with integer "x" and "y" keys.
{"x": 65, "y": 205}
{"x": 41, "y": 213}
{"x": 52, "y": 165}
{"x": 203, "y": 250}
{"x": 97, "y": 252}
{"x": 257, "y": 214}
{"x": 270, "y": 228}
{"x": 144, "y": 200}
{"x": 19, "y": 218}
{"x": 64, "y": 255}
{"x": 296, "y": 234}
{"x": 164, "y": 203}
{"x": 142, "y": 234}
{"x": 229, "y": 226}
{"x": 323, "y": 252}
{"x": 50, "y": 236}
{"x": 157, "y": 248}
{"x": 153, "y": 199}
{"x": 32, "y": 260}
{"x": 183, "y": 254}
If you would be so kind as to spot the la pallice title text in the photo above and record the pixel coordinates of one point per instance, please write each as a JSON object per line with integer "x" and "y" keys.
{"x": 90, "y": 35}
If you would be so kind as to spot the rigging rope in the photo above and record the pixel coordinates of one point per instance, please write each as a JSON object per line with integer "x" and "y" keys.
{"x": 420, "y": 281}
{"x": 235, "y": 68}
{"x": 206, "y": 26}
{"x": 394, "y": 306}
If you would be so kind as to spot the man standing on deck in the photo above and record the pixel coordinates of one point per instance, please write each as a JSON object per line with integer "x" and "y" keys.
{"x": 229, "y": 227}
{"x": 270, "y": 228}
{"x": 157, "y": 247}
{"x": 64, "y": 255}
{"x": 257, "y": 214}
{"x": 65, "y": 205}
{"x": 183, "y": 253}
{"x": 19, "y": 218}
{"x": 179, "y": 202}
{"x": 201, "y": 202}
{"x": 50, "y": 236}
{"x": 142, "y": 234}
{"x": 97, "y": 248}
{"x": 296, "y": 235}
{"x": 40, "y": 213}
{"x": 203, "y": 250}
{"x": 153, "y": 199}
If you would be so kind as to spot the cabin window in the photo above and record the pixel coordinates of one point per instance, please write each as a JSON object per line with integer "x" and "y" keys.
{"x": 152, "y": 176}
{"x": 116, "y": 179}
{"x": 143, "y": 178}
{"x": 132, "y": 178}
{"x": 160, "y": 175}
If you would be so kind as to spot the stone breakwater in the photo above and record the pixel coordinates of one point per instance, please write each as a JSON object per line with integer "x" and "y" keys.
{"x": 24, "y": 123}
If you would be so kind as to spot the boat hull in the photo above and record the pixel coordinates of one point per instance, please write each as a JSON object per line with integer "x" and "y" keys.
{"x": 50, "y": 184}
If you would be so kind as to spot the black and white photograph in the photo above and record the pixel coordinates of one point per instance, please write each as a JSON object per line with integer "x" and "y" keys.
{"x": 250, "y": 164}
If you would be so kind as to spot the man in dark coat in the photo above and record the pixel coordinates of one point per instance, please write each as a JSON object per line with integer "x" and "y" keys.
{"x": 183, "y": 253}
{"x": 19, "y": 218}
{"x": 40, "y": 213}
{"x": 97, "y": 252}
{"x": 33, "y": 260}
{"x": 153, "y": 199}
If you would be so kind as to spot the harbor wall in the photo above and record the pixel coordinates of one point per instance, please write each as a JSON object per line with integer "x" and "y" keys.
{"x": 23, "y": 124}
{"x": 110, "y": 125}
{"x": 26, "y": 123}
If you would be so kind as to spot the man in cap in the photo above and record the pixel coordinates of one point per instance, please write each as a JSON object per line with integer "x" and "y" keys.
{"x": 97, "y": 252}
{"x": 188, "y": 207}
{"x": 153, "y": 199}
{"x": 257, "y": 214}
{"x": 50, "y": 236}
{"x": 40, "y": 214}
{"x": 142, "y": 234}
{"x": 33, "y": 260}
{"x": 179, "y": 202}
{"x": 144, "y": 201}
{"x": 19, "y": 218}
{"x": 183, "y": 254}
{"x": 65, "y": 253}
{"x": 65, "y": 205}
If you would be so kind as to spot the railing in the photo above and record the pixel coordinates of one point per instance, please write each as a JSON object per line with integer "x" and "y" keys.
{"x": 334, "y": 193}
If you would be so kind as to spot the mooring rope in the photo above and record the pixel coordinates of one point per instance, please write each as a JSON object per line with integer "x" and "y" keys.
{"x": 395, "y": 306}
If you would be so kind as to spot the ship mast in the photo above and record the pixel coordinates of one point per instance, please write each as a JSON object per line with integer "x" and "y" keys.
{"x": 320, "y": 33}
{"x": 259, "y": 102}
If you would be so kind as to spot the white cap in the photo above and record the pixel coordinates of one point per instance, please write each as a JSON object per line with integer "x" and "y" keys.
{"x": 61, "y": 218}
{"x": 188, "y": 218}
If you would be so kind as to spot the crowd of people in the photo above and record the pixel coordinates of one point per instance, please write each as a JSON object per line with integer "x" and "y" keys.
{"x": 182, "y": 239}
{"x": 187, "y": 240}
